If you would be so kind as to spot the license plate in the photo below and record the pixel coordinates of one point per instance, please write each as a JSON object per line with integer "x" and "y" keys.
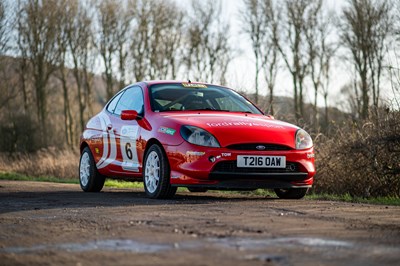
{"x": 261, "y": 161}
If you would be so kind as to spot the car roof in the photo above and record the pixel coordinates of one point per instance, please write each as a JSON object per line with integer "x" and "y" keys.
{"x": 154, "y": 82}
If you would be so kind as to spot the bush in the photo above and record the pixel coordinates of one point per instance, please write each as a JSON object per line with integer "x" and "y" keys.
{"x": 45, "y": 162}
{"x": 362, "y": 159}
{"x": 18, "y": 134}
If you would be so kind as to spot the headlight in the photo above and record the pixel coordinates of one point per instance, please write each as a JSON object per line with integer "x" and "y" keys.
{"x": 303, "y": 140}
{"x": 198, "y": 136}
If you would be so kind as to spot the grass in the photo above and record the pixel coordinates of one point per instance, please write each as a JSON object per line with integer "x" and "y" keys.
{"x": 109, "y": 182}
{"x": 259, "y": 192}
{"x": 21, "y": 177}
{"x": 122, "y": 184}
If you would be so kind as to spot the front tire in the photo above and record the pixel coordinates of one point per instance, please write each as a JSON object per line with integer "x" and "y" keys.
{"x": 291, "y": 193}
{"x": 156, "y": 174}
{"x": 89, "y": 178}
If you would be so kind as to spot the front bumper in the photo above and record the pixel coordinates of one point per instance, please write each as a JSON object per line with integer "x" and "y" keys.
{"x": 215, "y": 168}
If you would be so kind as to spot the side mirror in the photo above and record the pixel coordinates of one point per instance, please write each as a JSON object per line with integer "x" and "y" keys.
{"x": 129, "y": 115}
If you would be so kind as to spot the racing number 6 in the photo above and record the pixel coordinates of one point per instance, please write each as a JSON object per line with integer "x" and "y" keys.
{"x": 128, "y": 150}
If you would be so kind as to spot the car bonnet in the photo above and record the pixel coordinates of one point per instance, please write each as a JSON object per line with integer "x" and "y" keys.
{"x": 239, "y": 128}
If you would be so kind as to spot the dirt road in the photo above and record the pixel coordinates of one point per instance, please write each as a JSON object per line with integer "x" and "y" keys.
{"x": 54, "y": 224}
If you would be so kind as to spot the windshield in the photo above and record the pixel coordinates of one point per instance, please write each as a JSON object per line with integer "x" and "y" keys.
{"x": 190, "y": 96}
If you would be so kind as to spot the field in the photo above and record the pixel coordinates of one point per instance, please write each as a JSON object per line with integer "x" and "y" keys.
{"x": 51, "y": 223}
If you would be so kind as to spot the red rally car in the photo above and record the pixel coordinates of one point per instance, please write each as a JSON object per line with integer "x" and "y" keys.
{"x": 181, "y": 134}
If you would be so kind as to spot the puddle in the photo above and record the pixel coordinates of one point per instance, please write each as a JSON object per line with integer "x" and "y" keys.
{"x": 260, "y": 249}
{"x": 129, "y": 245}
{"x": 253, "y": 244}
{"x": 104, "y": 245}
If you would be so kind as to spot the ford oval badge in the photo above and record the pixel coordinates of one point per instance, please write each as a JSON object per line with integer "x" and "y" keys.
{"x": 260, "y": 147}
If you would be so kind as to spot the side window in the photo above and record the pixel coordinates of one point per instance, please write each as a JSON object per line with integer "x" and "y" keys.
{"x": 132, "y": 100}
{"x": 113, "y": 103}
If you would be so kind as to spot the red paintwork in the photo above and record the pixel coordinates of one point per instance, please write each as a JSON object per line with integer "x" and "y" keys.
{"x": 188, "y": 166}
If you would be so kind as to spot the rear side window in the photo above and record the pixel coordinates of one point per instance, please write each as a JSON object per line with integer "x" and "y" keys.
{"x": 113, "y": 103}
{"x": 132, "y": 99}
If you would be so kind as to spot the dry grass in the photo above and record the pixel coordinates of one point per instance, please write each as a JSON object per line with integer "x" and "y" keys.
{"x": 46, "y": 162}
{"x": 362, "y": 159}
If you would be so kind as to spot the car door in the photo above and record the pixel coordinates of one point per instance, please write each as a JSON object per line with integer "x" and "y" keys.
{"x": 127, "y": 132}
{"x": 108, "y": 149}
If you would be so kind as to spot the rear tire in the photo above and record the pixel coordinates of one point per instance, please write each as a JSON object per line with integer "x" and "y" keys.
{"x": 291, "y": 193}
{"x": 89, "y": 177}
{"x": 156, "y": 174}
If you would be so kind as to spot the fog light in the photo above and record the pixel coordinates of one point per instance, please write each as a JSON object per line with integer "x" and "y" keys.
{"x": 291, "y": 167}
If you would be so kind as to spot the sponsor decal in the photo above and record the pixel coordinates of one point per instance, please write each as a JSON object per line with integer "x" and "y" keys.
{"x": 129, "y": 131}
{"x": 130, "y": 166}
{"x": 226, "y": 154}
{"x": 167, "y": 130}
{"x": 310, "y": 155}
{"x": 193, "y": 85}
{"x": 97, "y": 150}
{"x": 195, "y": 153}
{"x": 242, "y": 123}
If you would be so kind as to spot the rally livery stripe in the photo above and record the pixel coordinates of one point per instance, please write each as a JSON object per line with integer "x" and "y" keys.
{"x": 113, "y": 151}
{"x": 110, "y": 141}
{"x": 105, "y": 141}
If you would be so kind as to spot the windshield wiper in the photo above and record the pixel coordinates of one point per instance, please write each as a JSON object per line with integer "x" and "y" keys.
{"x": 208, "y": 109}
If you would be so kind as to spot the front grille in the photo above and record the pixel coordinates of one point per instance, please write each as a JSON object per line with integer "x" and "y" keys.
{"x": 230, "y": 167}
{"x": 253, "y": 147}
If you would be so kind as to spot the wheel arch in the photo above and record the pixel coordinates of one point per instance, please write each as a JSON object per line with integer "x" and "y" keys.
{"x": 151, "y": 142}
{"x": 84, "y": 144}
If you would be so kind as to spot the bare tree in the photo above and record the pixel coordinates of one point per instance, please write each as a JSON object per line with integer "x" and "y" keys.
{"x": 23, "y": 71}
{"x": 320, "y": 51}
{"x": 293, "y": 47}
{"x": 62, "y": 44}
{"x": 140, "y": 46}
{"x": 255, "y": 26}
{"x": 208, "y": 49}
{"x": 166, "y": 40}
{"x": 80, "y": 44}
{"x": 113, "y": 33}
{"x": 124, "y": 38}
{"x": 6, "y": 24}
{"x": 365, "y": 28}
{"x": 4, "y": 29}
{"x": 37, "y": 22}
{"x": 157, "y": 48}
{"x": 271, "y": 58}
{"x": 394, "y": 59}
